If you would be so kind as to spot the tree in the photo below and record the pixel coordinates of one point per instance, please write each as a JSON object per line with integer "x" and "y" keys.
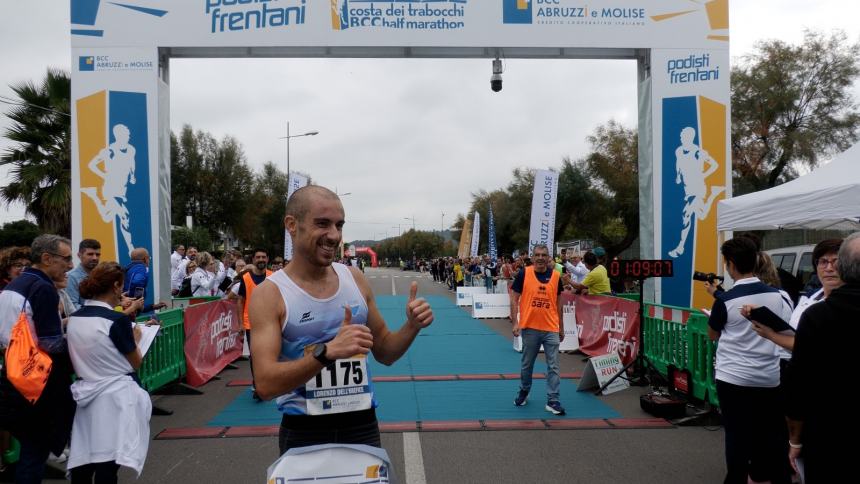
{"x": 421, "y": 244}
{"x": 210, "y": 181}
{"x": 40, "y": 161}
{"x": 613, "y": 171}
{"x": 262, "y": 223}
{"x": 792, "y": 105}
{"x": 18, "y": 233}
{"x": 197, "y": 237}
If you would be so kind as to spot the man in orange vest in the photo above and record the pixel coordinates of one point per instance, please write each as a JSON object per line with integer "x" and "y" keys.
{"x": 534, "y": 294}
{"x": 249, "y": 282}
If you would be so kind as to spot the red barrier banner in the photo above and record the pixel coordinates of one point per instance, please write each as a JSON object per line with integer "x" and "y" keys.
{"x": 606, "y": 325}
{"x": 213, "y": 339}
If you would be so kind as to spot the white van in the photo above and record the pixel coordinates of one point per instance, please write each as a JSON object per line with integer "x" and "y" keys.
{"x": 797, "y": 260}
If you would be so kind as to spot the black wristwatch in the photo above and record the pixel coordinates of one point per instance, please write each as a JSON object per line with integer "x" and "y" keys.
{"x": 319, "y": 354}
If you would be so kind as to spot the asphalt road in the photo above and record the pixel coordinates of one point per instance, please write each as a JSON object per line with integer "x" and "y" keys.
{"x": 660, "y": 455}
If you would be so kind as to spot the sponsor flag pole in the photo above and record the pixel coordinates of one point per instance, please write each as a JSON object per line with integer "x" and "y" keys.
{"x": 491, "y": 235}
{"x": 476, "y": 235}
{"x": 542, "y": 227}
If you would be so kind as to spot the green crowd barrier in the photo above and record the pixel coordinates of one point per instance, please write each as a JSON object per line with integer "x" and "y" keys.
{"x": 632, "y": 296}
{"x": 165, "y": 361}
{"x": 13, "y": 453}
{"x": 686, "y": 346}
{"x": 184, "y": 302}
{"x": 702, "y": 358}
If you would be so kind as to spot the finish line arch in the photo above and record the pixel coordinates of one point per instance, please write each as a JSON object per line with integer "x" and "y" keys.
{"x": 120, "y": 97}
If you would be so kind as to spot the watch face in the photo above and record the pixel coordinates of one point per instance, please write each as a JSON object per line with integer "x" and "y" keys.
{"x": 319, "y": 350}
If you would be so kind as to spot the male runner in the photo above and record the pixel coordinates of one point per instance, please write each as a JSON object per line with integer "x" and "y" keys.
{"x": 314, "y": 323}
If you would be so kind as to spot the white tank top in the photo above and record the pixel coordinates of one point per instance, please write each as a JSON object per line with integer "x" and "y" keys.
{"x": 310, "y": 320}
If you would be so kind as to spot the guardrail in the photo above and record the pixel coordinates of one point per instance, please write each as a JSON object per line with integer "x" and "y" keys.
{"x": 165, "y": 361}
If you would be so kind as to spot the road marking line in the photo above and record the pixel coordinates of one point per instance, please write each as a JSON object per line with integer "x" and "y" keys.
{"x": 413, "y": 458}
{"x": 393, "y": 292}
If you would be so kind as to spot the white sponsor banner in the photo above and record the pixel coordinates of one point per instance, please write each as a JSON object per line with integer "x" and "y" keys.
{"x": 542, "y": 228}
{"x": 296, "y": 181}
{"x": 476, "y": 235}
{"x": 502, "y": 286}
{"x": 571, "y": 336}
{"x": 333, "y": 464}
{"x": 622, "y": 24}
{"x": 491, "y": 306}
{"x": 599, "y": 370}
{"x": 464, "y": 294}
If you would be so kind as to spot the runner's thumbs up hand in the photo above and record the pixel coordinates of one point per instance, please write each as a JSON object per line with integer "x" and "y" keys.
{"x": 418, "y": 312}
{"x": 351, "y": 339}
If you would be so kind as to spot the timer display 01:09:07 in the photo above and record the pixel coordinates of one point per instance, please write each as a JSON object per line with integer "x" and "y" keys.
{"x": 640, "y": 269}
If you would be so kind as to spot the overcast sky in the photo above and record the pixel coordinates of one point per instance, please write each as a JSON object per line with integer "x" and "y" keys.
{"x": 405, "y": 137}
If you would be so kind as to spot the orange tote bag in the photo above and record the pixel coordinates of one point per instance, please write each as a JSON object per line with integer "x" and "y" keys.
{"x": 27, "y": 366}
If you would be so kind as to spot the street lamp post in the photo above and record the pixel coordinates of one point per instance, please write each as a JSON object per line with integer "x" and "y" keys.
{"x": 288, "y": 136}
{"x": 412, "y": 218}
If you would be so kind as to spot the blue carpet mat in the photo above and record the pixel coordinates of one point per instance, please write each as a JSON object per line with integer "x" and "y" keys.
{"x": 454, "y": 344}
{"x": 440, "y": 400}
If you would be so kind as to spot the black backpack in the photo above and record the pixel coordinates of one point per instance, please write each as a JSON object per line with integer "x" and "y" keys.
{"x": 185, "y": 288}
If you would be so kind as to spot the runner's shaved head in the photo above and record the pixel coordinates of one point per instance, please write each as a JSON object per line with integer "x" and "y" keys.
{"x": 301, "y": 201}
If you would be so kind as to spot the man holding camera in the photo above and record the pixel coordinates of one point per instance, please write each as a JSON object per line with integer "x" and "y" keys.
{"x": 747, "y": 372}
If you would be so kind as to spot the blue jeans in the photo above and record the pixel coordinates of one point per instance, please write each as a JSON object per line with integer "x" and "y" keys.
{"x": 532, "y": 340}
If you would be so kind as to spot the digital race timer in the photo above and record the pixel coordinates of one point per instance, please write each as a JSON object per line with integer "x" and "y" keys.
{"x": 640, "y": 269}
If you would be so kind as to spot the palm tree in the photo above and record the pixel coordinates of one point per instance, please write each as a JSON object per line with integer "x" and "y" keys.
{"x": 40, "y": 174}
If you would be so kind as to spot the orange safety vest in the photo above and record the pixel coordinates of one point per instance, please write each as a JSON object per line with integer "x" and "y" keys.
{"x": 249, "y": 288}
{"x": 539, "y": 302}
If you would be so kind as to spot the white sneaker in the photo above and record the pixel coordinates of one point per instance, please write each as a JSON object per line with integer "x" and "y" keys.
{"x": 59, "y": 459}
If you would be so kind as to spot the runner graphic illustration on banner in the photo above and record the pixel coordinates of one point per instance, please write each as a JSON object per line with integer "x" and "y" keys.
{"x": 690, "y": 172}
{"x": 118, "y": 161}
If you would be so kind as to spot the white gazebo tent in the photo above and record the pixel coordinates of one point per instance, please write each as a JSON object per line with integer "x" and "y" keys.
{"x": 828, "y": 198}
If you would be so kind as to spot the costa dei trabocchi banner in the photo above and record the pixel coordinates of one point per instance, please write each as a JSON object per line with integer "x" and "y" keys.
{"x": 542, "y": 228}
{"x": 296, "y": 181}
{"x": 622, "y": 24}
{"x": 476, "y": 235}
{"x": 213, "y": 339}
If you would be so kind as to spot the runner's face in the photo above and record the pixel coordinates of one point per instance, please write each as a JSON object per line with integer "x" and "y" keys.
{"x": 89, "y": 258}
{"x": 321, "y": 230}
{"x": 541, "y": 258}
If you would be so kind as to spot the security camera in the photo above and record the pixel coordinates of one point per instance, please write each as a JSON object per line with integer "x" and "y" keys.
{"x": 496, "y": 78}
